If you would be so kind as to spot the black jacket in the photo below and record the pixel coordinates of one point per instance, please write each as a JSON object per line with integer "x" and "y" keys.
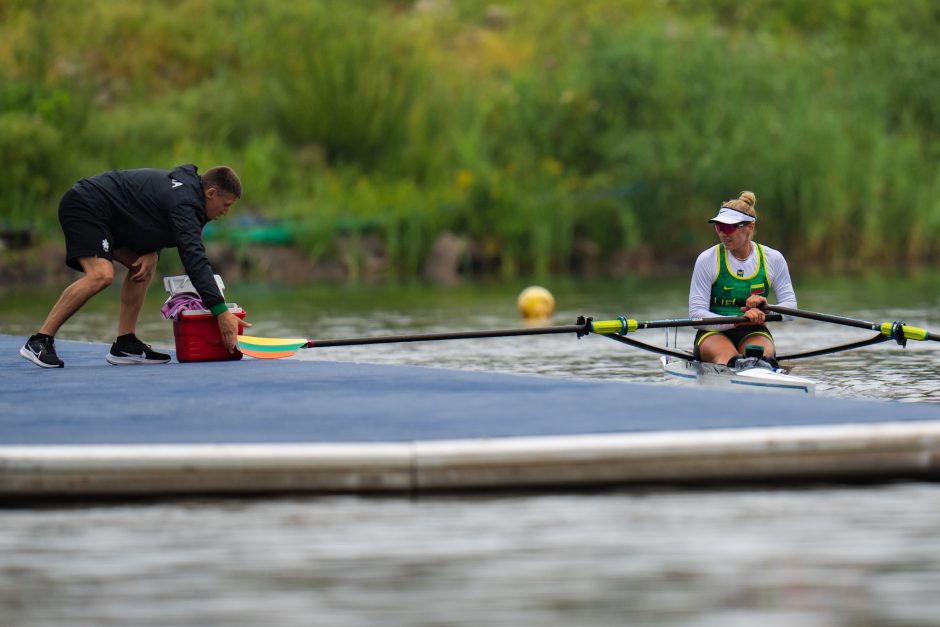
{"x": 150, "y": 209}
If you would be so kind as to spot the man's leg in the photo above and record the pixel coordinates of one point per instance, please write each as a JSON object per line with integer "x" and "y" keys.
{"x": 99, "y": 273}
{"x": 128, "y": 350}
{"x": 40, "y": 348}
{"x": 140, "y": 270}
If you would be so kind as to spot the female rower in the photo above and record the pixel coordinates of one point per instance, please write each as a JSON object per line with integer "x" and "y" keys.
{"x": 734, "y": 271}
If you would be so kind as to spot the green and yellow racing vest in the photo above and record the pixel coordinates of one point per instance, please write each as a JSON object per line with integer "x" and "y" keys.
{"x": 729, "y": 291}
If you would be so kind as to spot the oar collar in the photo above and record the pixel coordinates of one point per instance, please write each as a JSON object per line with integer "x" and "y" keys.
{"x": 586, "y": 325}
{"x": 895, "y": 331}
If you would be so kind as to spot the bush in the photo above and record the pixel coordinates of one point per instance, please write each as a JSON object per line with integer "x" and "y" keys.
{"x": 32, "y": 167}
{"x": 524, "y": 126}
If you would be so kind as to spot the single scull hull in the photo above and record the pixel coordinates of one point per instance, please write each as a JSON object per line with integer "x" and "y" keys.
{"x": 750, "y": 380}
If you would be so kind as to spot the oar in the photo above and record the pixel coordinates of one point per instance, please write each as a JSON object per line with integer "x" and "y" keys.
{"x": 892, "y": 330}
{"x": 276, "y": 348}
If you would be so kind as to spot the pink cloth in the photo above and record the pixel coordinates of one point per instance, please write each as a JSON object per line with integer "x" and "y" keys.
{"x": 178, "y": 303}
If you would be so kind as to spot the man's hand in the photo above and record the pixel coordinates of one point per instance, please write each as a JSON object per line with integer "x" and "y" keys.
{"x": 230, "y": 327}
{"x": 142, "y": 269}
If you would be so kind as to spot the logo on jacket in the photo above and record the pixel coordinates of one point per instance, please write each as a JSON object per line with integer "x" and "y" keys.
{"x": 175, "y": 183}
{"x": 105, "y": 246}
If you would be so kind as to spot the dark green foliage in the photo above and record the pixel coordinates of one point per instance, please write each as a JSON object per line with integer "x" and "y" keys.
{"x": 524, "y": 126}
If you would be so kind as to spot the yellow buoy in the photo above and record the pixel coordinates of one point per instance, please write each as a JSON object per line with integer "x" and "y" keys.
{"x": 536, "y": 303}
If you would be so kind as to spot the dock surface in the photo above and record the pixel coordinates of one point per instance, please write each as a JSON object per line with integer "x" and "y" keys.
{"x": 297, "y": 425}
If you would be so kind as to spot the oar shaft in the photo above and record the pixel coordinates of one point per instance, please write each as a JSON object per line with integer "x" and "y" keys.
{"x": 704, "y": 322}
{"x": 461, "y": 335}
{"x": 601, "y": 327}
{"x": 812, "y": 315}
{"x": 624, "y": 326}
{"x": 888, "y": 329}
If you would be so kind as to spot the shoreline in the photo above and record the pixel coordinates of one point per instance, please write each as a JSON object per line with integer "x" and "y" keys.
{"x": 453, "y": 261}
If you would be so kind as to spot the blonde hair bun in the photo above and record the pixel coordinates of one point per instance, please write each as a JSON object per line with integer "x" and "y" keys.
{"x": 748, "y": 197}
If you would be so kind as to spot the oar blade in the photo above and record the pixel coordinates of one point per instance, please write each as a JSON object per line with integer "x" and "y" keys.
{"x": 266, "y": 354}
{"x": 269, "y": 347}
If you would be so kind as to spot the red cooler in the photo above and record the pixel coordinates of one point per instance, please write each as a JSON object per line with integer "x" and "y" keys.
{"x": 198, "y": 339}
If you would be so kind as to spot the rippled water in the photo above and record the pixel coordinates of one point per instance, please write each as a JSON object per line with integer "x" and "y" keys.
{"x": 787, "y": 556}
{"x": 814, "y": 556}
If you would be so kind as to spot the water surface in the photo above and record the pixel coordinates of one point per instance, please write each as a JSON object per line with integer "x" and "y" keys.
{"x": 811, "y": 556}
{"x": 774, "y": 556}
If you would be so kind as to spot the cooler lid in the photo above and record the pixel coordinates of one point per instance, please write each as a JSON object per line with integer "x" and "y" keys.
{"x": 232, "y": 308}
{"x": 181, "y": 283}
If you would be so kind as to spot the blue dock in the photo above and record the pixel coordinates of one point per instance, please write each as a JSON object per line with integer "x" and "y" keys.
{"x": 291, "y": 425}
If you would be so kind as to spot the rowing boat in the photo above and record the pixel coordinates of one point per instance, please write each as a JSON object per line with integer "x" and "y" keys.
{"x": 754, "y": 378}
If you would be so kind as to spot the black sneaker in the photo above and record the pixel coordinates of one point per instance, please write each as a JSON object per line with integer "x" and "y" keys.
{"x": 130, "y": 351}
{"x": 41, "y": 351}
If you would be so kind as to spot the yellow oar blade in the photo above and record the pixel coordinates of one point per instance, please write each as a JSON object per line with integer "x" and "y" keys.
{"x": 269, "y": 347}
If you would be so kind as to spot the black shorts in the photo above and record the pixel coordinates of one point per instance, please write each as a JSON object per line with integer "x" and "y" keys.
{"x": 86, "y": 229}
{"x": 736, "y": 335}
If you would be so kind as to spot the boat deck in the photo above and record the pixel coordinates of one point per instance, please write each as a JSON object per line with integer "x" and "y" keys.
{"x": 296, "y": 425}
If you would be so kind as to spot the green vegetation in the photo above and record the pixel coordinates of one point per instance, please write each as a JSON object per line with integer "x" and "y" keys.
{"x": 526, "y": 126}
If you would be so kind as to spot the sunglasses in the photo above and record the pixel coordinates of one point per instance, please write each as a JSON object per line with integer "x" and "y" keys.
{"x": 727, "y": 229}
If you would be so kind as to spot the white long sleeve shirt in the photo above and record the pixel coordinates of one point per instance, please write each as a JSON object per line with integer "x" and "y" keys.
{"x": 706, "y": 271}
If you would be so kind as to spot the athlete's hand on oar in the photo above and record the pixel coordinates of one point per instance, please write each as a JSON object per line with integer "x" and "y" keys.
{"x": 753, "y": 310}
{"x": 755, "y": 301}
{"x": 754, "y": 316}
{"x": 230, "y": 327}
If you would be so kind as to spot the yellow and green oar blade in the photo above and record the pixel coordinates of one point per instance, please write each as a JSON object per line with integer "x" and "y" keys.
{"x": 269, "y": 347}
